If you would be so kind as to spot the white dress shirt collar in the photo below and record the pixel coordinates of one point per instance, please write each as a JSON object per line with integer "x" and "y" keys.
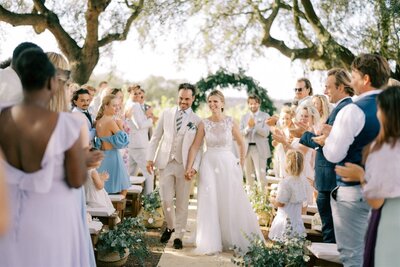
{"x": 341, "y": 100}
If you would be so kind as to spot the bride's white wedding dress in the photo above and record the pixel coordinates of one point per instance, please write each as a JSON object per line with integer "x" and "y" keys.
{"x": 224, "y": 214}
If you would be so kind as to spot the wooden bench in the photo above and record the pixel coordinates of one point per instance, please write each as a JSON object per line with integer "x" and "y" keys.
{"x": 133, "y": 200}
{"x": 106, "y": 215}
{"x": 94, "y": 230}
{"x": 119, "y": 203}
{"x": 137, "y": 180}
{"x": 324, "y": 254}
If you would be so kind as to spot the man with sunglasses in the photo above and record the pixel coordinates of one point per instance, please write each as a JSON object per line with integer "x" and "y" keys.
{"x": 303, "y": 93}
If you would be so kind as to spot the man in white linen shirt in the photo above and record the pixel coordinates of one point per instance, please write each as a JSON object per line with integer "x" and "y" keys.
{"x": 140, "y": 122}
{"x": 356, "y": 125}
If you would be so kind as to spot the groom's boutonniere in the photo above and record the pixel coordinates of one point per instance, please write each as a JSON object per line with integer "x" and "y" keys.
{"x": 191, "y": 126}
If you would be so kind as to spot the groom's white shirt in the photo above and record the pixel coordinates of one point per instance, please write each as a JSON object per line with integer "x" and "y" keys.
{"x": 166, "y": 141}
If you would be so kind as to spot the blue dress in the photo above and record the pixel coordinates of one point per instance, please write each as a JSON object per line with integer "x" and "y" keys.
{"x": 113, "y": 163}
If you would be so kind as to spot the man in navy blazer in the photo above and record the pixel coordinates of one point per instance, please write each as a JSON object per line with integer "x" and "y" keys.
{"x": 337, "y": 88}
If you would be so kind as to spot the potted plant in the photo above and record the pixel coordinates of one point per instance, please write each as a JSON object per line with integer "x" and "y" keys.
{"x": 290, "y": 251}
{"x": 261, "y": 206}
{"x": 151, "y": 212}
{"x": 126, "y": 238}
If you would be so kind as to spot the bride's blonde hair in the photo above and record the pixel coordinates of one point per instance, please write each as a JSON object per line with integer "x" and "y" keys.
{"x": 218, "y": 94}
{"x": 294, "y": 162}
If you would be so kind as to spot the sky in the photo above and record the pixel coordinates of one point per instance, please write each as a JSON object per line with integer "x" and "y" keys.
{"x": 274, "y": 72}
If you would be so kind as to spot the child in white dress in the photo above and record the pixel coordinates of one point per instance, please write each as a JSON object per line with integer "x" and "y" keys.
{"x": 96, "y": 195}
{"x": 292, "y": 193}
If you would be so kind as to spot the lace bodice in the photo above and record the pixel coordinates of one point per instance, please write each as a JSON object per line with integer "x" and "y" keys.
{"x": 218, "y": 134}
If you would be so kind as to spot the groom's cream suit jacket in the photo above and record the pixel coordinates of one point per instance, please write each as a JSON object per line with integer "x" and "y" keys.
{"x": 174, "y": 145}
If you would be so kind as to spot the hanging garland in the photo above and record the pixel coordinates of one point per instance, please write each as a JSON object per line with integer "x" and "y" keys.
{"x": 224, "y": 79}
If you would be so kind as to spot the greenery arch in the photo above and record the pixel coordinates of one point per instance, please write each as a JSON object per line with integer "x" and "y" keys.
{"x": 225, "y": 79}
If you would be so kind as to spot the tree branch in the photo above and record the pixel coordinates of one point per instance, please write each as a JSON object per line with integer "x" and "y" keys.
{"x": 16, "y": 19}
{"x": 298, "y": 27}
{"x": 322, "y": 34}
{"x": 122, "y": 36}
{"x": 269, "y": 41}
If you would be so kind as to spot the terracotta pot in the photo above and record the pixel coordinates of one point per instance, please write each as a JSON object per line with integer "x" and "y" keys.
{"x": 155, "y": 220}
{"x": 111, "y": 259}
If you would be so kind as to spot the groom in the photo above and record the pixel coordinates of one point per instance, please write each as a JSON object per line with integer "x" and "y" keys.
{"x": 173, "y": 137}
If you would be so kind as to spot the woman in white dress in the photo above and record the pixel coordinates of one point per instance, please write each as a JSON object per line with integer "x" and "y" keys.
{"x": 224, "y": 215}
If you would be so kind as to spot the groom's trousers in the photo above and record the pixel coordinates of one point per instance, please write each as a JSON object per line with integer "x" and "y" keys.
{"x": 173, "y": 183}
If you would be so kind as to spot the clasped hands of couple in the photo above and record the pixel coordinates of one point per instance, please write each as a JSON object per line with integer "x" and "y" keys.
{"x": 188, "y": 174}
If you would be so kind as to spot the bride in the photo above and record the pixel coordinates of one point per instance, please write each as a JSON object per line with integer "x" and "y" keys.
{"x": 224, "y": 215}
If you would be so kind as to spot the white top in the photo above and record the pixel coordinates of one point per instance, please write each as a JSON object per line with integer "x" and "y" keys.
{"x": 348, "y": 124}
{"x": 293, "y": 190}
{"x": 96, "y": 198}
{"x": 10, "y": 87}
{"x": 382, "y": 173}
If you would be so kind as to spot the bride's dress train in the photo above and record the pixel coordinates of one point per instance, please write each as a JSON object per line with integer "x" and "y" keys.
{"x": 224, "y": 214}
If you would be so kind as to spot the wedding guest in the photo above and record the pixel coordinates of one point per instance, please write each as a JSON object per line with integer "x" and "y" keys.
{"x": 102, "y": 91}
{"x": 303, "y": 93}
{"x": 339, "y": 91}
{"x": 285, "y": 125}
{"x": 356, "y": 125}
{"x": 80, "y": 102}
{"x": 134, "y": 96}
{"x": 381, "y": 183}
{"x": 140, "y": 123}
{"x": 92, "y": 92}
{"x": 42, "y": 173}
{"x": 96, "y": 195}
{"x": 221, "y": 196}
{"x": 10, "y": 83}
{"x": 255, "y": 133}
{"x": 119, "y": 95}
{"x": 60, "y": 102}
{"x": 321, "y": 103}
{"x": 110, "y": 138}
{"x": 292, "y": 193}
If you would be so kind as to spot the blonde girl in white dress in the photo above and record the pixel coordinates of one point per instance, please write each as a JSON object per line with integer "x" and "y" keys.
{"x": 292, "y": 193}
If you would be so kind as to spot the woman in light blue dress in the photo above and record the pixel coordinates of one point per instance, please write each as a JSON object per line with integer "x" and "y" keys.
{"x": 110, "y": 138}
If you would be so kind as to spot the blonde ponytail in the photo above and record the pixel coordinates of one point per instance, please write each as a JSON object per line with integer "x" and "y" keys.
{"x": 106, "y": 101}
